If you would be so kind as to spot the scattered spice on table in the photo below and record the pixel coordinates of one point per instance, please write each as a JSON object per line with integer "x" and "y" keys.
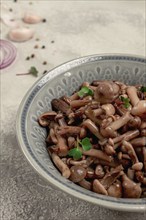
{"x": 44, "y": 20}
{"x": 36, "y": 46}
{"x": 27, "y": 58}
{"x": 43, "y": 47}
{"x": 45, "y": 71}
{"x": 32, "y": 55}
{"x": 45, "y": 62}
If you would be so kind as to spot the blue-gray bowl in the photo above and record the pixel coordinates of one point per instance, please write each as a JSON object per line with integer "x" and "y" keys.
{"x": 65, "y": 79}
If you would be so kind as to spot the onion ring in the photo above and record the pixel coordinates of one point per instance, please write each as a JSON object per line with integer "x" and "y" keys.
{"x": 8, "y": 53}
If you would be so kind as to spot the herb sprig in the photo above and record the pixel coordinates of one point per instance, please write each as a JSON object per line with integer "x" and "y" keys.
{"x": 32, "y": 71}
{"x": 143, "y": 89}
{"x": 125, "y": 101}
{"x": 84, "y": 91}
{"x": 76, "y": 153}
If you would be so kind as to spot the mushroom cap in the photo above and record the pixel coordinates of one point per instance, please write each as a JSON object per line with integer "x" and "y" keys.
{"x": 99, "y": 188}
{"x": 130, "y": 188}
{"x": 46, "y": 117}
{"x": 78, "y": 173}
{"x": 115, "y": 190}
{"x": 99, "y": 171}
{"x": 139, "y": 109}
{"x": 132, "y": 94}
{"x": 109, "y": 109}
{"x": 106, "y": 92}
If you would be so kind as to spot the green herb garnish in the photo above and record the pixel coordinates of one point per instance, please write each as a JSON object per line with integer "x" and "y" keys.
{"x": 76, "y": 153}
{"x": 143, "y": 89}
{"x": 33, "y": 71}
{"x": 85, "y": 91}
{"x": 125, "y": 101}
{"x": 86, "y": 145}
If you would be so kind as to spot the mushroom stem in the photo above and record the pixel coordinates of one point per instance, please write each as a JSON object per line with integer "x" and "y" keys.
{"x": 63, "y": 148}
{"x": 120, "y": 122}
{"x": 98, "y": 154}
{"x": 137, "y": 166}
{"x": 126, "y": 136}
{"x": 131, "y": 152}
{"x": 110, "y": 131}
{"x": 112, "y": 163}
{"x": 61, "y": 165}
{"x": 52, "y": 137}
{"x": 93, "y": 128}
{"x": 110, "y": 177}
{"x": 61, "y": 120}
{"x": 143, "y": 132}
{"x": 130, "y": 173}
{"x": 139, "y": 109}
{"x": 79, "y": 103}
{"x": 144, "y": 157}
{"x": 98, "y": 112}
{"x": 69, "y": 130}
{"x": 92, "y": 116}
{"x": 61, "y": 105}
{"x": 86, "y": 184}
{"x": 76, "y": 162}
{"x": 143, "y": 125}
{"x": 74, "y": 96}
{"x": 138, "y": 142}
{"x": 132, "y": 93}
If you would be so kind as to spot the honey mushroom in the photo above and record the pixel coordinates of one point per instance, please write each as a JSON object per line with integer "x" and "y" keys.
{"x": 115, "y": 164}
{"x": 61, "y": 165}
{"x": 139, "y": 106}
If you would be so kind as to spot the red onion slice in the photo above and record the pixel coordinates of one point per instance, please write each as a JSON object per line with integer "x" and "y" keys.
{"x": 7, "y": 53}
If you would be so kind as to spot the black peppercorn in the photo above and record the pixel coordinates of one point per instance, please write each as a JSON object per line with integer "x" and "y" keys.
{"x": 27, "y": 58}
{"x": 44, "y": 20}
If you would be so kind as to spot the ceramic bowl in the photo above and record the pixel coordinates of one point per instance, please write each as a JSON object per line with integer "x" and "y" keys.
{"x": 65, "y": 79}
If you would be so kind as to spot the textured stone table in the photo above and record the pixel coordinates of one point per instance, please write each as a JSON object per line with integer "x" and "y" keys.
{"x": 73, "y": 29}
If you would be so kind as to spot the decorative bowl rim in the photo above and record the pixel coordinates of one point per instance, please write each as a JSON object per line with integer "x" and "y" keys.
{"x": 109, "y": 202}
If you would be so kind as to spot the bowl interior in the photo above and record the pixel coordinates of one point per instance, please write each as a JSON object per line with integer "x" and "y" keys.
{"x": 64, "y": 80}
